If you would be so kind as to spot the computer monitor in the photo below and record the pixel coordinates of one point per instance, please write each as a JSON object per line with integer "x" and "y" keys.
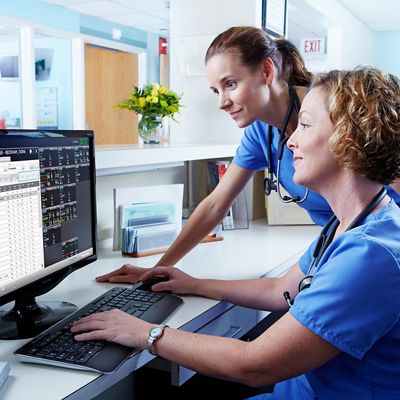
{"x": 47, "y": 222}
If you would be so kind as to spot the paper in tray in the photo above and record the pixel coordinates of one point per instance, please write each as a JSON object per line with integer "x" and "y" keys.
{"x": 147, "y": 197}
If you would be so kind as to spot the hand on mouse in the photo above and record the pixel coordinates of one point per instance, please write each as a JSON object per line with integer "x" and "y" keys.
{"x": 128, "y": 273}
{"x": 176, "y": 281}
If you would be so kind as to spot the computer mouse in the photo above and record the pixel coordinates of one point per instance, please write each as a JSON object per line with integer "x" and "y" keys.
{"x": 148, "y": 283}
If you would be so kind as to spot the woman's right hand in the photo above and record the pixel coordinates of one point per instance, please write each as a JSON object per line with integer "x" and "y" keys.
{"x": 128, "y": 273}
{"x": 176, "y": 281}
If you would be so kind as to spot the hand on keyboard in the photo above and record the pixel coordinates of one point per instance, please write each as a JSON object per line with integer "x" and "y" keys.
{"x": 128, "y": 273}
{"x": 114, "y": 326}
{"x": 95, "y": 322}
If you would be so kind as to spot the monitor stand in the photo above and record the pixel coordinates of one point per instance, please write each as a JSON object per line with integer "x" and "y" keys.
{"x": 28, "y": 318}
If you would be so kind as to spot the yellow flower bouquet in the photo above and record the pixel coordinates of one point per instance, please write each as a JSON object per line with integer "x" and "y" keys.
{"x": 153, "y": 102}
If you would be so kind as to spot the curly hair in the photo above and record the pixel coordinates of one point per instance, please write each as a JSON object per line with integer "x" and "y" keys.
{"x": 364, "y": 107}
{"x": 253, "y": 45}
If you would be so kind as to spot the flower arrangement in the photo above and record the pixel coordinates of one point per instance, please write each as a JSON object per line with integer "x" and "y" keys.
{"x": 153, "y": 102}
{"x": 152, "y": 99}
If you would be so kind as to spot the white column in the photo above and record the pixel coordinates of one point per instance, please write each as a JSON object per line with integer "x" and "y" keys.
{"x": 194, "y": 24}
{"x": 142, "y": 68}
{"x": 78, "y": 84}
{"x": 27, "y": 65}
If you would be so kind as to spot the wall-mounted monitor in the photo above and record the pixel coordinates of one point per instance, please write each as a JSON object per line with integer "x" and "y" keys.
{"x": 274, "y": 17}
{"x": 9, "y": 67}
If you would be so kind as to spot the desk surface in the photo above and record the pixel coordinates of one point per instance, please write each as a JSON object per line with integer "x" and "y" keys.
{"x": 242, "y": 254}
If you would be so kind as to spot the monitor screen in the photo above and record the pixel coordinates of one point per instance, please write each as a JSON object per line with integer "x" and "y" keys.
{"x": 47, "y": 221}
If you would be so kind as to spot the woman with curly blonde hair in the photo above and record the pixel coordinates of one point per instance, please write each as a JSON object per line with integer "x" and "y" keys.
{"x": 341, "y": 336}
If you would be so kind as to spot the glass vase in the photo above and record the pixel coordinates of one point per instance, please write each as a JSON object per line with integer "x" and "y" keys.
{"x": 151, "y": 128}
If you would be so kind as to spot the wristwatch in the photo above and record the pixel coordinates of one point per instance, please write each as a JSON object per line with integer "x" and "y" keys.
{"x": 154, "y": 333}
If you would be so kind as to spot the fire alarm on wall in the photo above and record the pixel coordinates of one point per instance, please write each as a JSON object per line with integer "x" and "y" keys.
{"x": 162, "y": 45}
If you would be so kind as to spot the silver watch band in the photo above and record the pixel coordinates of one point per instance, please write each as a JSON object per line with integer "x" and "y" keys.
{"x": 154, "y": 334}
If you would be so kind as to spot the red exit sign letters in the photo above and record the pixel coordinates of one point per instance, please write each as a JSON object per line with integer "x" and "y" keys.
{"x": 312, "y": 47}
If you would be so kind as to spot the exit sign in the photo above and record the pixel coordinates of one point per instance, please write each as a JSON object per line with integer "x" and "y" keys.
{"x": 314, "y": 47}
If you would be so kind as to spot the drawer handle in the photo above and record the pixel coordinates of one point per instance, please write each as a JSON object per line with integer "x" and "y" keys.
{"x": 233, "y": 331}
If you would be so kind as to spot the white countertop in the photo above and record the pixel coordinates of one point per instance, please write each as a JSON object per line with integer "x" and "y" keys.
{"x": 116, "y": 159}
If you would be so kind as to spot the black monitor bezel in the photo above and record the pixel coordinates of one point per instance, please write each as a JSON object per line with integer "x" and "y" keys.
{"x": 48, "y": 282}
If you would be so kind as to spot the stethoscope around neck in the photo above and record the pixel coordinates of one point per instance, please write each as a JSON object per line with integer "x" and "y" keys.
{"x": 325, "y": 239}
{"x": 270, "y": 183}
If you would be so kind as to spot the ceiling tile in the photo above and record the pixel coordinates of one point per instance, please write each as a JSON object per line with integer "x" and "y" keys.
{"x": 141, "y": 21}
{"x": 148, "y": 6}
{"x": 383, "y": 15}
{"x": 134, "y": 19}
{"x": 151, "y": 15}
{"x": 101, "y": 8}
{"x": 65, "y": 2}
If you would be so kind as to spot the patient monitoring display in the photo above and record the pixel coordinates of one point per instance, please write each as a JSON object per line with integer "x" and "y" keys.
{"x": 47, "y": 210}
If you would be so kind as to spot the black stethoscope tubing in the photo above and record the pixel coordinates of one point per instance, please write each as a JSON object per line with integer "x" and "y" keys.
{"x": 325, "y": 238}
{"x": 270, "y": 183}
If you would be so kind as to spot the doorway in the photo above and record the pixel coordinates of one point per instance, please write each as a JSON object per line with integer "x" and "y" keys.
{"x": 109, "y": 77}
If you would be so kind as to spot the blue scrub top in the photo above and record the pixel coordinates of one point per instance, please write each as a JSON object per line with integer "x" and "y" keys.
{"x": 354, "y": 304}
{"x": 252, "y": 154}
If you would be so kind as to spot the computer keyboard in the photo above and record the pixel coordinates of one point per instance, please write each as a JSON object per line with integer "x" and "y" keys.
{"x": 57, "y": 346}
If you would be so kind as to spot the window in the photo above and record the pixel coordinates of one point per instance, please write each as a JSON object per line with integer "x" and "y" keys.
{"x": 10, "y": 81}
{"x": 53, "y": 82}
{"x": 274, "y": 16}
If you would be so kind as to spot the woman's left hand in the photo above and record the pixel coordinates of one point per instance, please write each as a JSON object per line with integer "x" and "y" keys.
{"x": 113, "y": 326}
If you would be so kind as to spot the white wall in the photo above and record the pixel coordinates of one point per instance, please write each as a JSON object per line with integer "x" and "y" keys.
{"x": 349, "y": 41}
{"x": 386, "y": 55}
{"x": 194, "y": 24}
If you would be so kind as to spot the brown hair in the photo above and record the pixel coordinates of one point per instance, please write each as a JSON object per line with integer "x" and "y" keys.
{"x": 364, "y": 107}
{"x": 253, "y": 45}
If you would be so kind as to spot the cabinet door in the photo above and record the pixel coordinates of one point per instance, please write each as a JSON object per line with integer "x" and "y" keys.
{"x": 233, "y": 323}
{"x": 109, "y": 77}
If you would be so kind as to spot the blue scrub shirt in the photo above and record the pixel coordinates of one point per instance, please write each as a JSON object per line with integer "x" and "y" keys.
{"x": 354, "y": 304}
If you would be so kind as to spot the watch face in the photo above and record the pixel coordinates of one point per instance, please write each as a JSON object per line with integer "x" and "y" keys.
{"x": 154, "y": 332}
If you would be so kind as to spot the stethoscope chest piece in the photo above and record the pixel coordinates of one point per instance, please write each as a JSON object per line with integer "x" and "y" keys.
{"x": 269, "y": 184}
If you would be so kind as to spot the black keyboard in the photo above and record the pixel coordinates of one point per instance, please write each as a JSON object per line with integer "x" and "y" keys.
{"x": 57, "y": 346}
